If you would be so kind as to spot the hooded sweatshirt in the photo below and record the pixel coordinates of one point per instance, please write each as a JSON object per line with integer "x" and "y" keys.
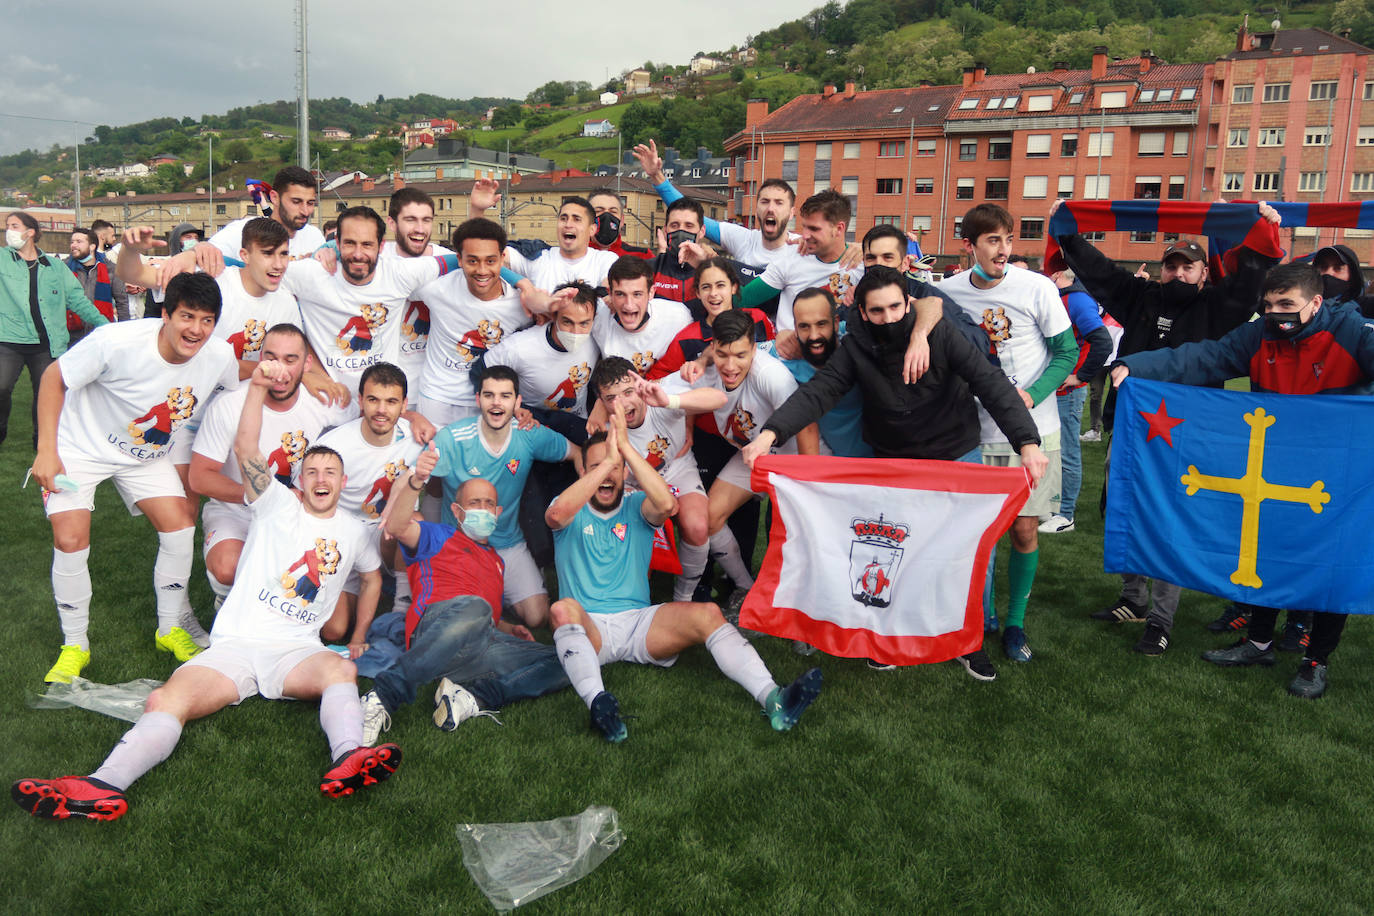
{"x": 1352, "y": 293}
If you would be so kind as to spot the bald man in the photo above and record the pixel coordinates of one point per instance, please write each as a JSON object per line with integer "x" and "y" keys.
{"x": 454, "y": 629}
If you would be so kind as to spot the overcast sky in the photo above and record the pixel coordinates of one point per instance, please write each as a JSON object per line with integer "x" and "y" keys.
{"x": 125, "y": 62}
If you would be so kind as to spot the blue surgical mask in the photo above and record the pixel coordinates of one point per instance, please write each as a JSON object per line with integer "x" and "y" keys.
{"x": 478, "y": 524}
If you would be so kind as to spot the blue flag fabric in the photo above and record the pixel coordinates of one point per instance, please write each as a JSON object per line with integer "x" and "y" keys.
{"x": 1262, "y": 498}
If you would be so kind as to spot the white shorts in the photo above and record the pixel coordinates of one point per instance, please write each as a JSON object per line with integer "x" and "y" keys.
{"x": 182, "y": 440}
{"x": 684, "y": 477}
{"x": 442, "y": 413}
{"x": 523, "y": 579}
{"x": 736, "y": 472}
{"x": 625, "y": 637}
{"x": 256, "y": 666}
{"x": 1043, "y": 497}
{"x": 223, "y": 522}
{"x": 135, "y": 482}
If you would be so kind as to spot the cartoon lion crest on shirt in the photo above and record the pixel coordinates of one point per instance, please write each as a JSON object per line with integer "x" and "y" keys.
{"x": 165, "y": 417}
{"x": 839, "y": 284}
{"x": 486, "y": 335}
{"x": 382, "y": 488}
{"x": 643, "y": 362}
{"x": 283, "y": 459}
{"x": 658, "y": 452}
{"x": 738, "y": 429}
{"x": 996, "y": 324}
{"x": 249, "y": 340}
{"x": 356, "y": 335}
{"x": 314, "y": 565}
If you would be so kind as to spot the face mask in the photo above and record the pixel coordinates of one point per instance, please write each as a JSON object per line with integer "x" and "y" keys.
{"x": 679, "y": 237}
{"x": 572, "y": 342}
{"x": 1284, "y": 325}
{"x": 478, "y": 524}
{"x": 894, "y": 334}
{"x": 607, "y": 229}
{"x": 89, "y": 259}
{"x": 979, "y": 272}
{"x": 1334, "y": 287}
{"x": 190, "y": 243}
{"x": 14, "y": 238}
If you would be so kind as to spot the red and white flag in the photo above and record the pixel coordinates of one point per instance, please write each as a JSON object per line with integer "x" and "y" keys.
{"x": 880, "y": 559}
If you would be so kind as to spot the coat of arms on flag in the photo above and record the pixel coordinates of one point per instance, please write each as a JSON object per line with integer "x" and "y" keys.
{"x": 880, "y": 559}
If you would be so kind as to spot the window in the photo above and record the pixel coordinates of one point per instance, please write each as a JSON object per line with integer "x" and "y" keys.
{"x": 790, "y": 151}
{"x": 1101, "y": 144}
{"x": 851, "y": 151}
{"x": 1068, "y": 146}
{"x": 999, "y": 148}
{"x": 1038, "y": 146}
{"x": 958, "y": 227}
{"x": 923, "y": 186}
{"x": 1233, "y": 182}
{"x": 1152, "y": 143}
{"x": 1368, "y": 91}
{"x": 996, "y": 189}
{"x": 1097, "y": 187}
{"x": 1139, "y": 236}
{"x": 994, "y": 103}
{"x": 892, "y": 148}
{"x": 1032, "y": 229}
{"x": 173, "y": 211}
{"x": 1312, "y": 181}
{"x": 1011, "y": 102}
{"x": 1362, "y": 181}
{"x": 1272, "y": 136}
{"x": 1238, "y": 136}
{"x": 1316, "y": 136}
{"x": 963, "y": 190}
{"x": 1113, "y": 99}
{"x": 1094, "y": 236}
{"x": 220, "y": 209}
{"x": 1147, "y": 187}
{"x": 968, "y": 104}
{"x": 1322, "y": 91}
{"x": 1146, "y": 95}
{"x": 1176, "y": 187}
{"x": 925, "y": 147}
{"x": 887, "y": 220}
{"x": 1180, "y": 143}
{"x": 1187, "y": 95}
{"x": 820, "y": 169}
{"x": 1065, "y": 186}
{"x": 1242, "y": 94}
{"x": 849, "y": 186}
{"x": 1365, "y": 137}
{"x": 252, "y": 210}
{"x": 1036, "y": 186}
{"x": 1076, "y": 98}
{"x": 921, "y": 223}
{"x": 1040, "y": 103}
{"x": 822, "y": 152}
{"x": 819, "y": 185}
{"x": 1266, "y": 181}
{"x": 1170, "y": 238}
{"x": 1276, "y": 92}
{"x": 968, "y": 150}
{"x": 1165, "y": 95}
{"x": 789, "y": 170}
{"x": 889, "y": 186}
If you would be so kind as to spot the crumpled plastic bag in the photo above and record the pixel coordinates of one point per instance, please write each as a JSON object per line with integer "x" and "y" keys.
{"x": 516, "y": 863}
{"x": 122, "y": 701}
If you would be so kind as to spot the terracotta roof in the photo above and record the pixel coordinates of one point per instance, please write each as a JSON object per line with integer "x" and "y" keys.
{"x": 877, "y": 109}
{"x": 1299, "y": 42}
{"x": 174, "y": 197}
{"x": 1159, "y": 76}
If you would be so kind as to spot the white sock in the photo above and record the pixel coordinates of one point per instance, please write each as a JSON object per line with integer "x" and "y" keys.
{"x": 71, "y": 589}
{"x": 171, "y": 573}
{"x": 740, "y": 662}
{"x": 693, "y": 559}
{"x": 725, "y": 551}
{"x": 402, "y": 599}
{"x": 578, "y": 658}
{"x": 341, "y": 717}
{"x": 143, "y": 747}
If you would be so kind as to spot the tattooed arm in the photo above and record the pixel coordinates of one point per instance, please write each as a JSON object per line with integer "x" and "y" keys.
{"x": 257, "y": 476}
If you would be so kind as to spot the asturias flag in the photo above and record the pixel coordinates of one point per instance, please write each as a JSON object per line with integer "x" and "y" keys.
{"x": 880, "y": 559}
{"x": 1263, "y": 498}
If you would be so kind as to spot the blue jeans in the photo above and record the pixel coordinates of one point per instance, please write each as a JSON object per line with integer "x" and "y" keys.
{"x": 456, "y": 639}
{"x": 1070, "y": 451}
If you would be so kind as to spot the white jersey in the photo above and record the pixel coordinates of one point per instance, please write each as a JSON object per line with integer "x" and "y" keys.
{"x": 354, "y": 327}
{"x": 791, "y": 273}
{"x": 661, "y": 437}
{"x": 550, "y": 378}
{"x": 414, "y": 325}
{"x": 644, "y": 346}
{"x": 285, "y": 436}
{"x": 462, "y": 328}
{"x": 124, "y": 401}
{"x": 303, "y": 244}
{"x": 371, "y": 469}
{"x": 244, "y": 319}
{"x": 1019, "y": 315}
{"x": 746, "y": 245}
{"x": 747, "y": 408}
{"x": 292, "y": 570}
{"x": 551, "y": 270}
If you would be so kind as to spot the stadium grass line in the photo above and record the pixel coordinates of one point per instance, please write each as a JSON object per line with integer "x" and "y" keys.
{"x": 1092, "y": 779}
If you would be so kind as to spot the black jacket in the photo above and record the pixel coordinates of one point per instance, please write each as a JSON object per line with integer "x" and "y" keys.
{"x": 934, "y": 418}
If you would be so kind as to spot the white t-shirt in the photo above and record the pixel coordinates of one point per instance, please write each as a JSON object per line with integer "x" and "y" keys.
{"x": 550, "y": 378}
{"x": 661, "y": 436}
{"x": 354, "y": 327}
{"x": 1019, "y": 315}
{"x": 303, "y": 244}
{"x": 748, "y": 407}
{"x": 791, "y": 273}
{"x": 463, "y": 327}
{"x": 644, "y": 346}
{"x": 244, "y": 320}
{"x": 746, "y": 245}
{"x": 124, "y": 401}
{"x": 371, "y": 470}
{"x": 292, "y": 569}
{"x": 551, "y": 270}
{"x": 414, "y": 325}
{"x": 285, "y": 436}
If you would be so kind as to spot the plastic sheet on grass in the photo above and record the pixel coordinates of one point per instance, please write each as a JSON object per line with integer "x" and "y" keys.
{"x": 122, "y": 701}
{"x": 516, "y": 863}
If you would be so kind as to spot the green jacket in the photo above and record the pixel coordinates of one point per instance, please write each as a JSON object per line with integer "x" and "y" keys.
{"x": 58, "y": 291}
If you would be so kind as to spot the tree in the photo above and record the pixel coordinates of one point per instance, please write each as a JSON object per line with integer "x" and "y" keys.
{"x": 553, "y": 92}
{"x": 238, "y": 151}
{"x": 1357, "y": 16}
{"x": 509, "y": 116}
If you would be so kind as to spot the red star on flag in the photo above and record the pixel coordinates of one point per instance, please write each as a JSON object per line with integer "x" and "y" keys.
{"x": 1161, "y": 424}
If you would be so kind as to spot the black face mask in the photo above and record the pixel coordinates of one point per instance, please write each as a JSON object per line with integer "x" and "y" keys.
{"x": 679, "y": 237}
{"x": 1179, "y": 289}
{"x": 1334, "y": 287}
{"x": 894, "y": 334}
{"x": 1284, "y": 325}
{"x": 607, "y": 229}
